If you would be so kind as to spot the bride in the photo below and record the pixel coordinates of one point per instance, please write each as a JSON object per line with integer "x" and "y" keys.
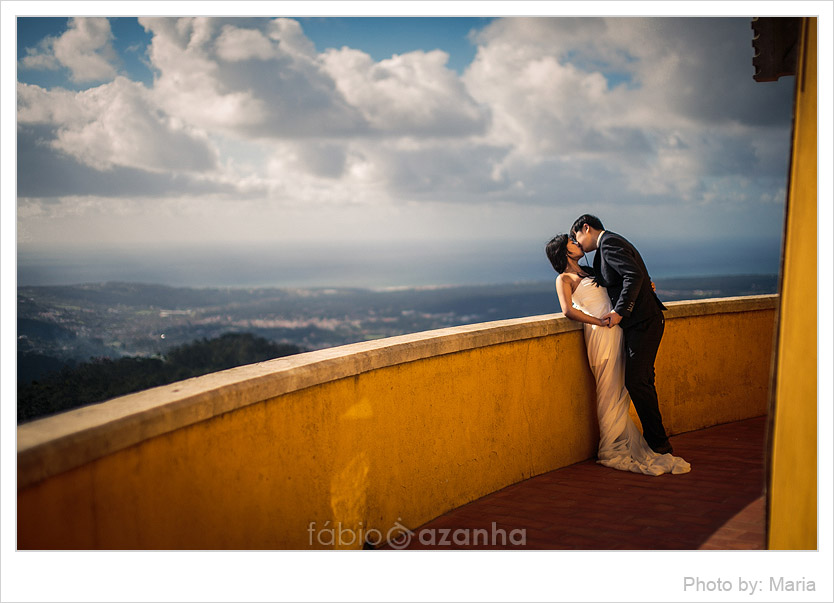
{"x": 621, "y": 445}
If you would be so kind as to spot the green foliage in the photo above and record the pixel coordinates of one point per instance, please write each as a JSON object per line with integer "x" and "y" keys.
{"x": 227, "y": 351}
{"x": 104, "y": 378}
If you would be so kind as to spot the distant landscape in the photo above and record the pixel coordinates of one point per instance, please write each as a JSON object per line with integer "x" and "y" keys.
{"x": 60, "y": 327}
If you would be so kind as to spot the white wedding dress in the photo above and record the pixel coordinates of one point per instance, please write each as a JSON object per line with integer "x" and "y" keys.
{"x": 621, "y": 445}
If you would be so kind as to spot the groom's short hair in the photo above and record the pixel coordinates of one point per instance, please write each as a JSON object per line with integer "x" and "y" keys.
{"x": 588, "y": 219}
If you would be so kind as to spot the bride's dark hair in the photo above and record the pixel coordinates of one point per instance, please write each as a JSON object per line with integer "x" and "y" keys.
{"x": 557, "y": 252}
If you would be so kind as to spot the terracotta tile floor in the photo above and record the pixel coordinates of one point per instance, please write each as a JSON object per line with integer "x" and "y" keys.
{"x": 718, "y": 505}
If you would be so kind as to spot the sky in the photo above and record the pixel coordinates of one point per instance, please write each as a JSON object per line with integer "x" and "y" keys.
{"x": 475, "y": 139}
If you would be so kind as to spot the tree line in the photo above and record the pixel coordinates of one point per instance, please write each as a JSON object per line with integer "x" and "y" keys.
{"x": 101, "y": 379}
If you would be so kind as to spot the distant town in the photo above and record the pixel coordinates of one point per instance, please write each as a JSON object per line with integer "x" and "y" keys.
{"x": 110, "y": 320}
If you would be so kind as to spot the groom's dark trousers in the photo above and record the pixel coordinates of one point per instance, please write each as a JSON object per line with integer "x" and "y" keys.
{"x": 620, "y": 268}
{"x": 641, "y": 342}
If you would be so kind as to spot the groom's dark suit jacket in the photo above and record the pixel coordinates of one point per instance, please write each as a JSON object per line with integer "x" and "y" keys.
{"x": 619, "y": 268}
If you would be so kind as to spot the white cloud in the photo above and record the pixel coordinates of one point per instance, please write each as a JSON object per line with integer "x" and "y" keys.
{"x": 235, "y": 44}
{"x": 41, "y": 57}
{"x": 265, "y": 80}
{"x": 36, "y": 105}
{"x": 652, "y": 99}
{"x": 409, "y": 94}
{"x": 448, "y": 171}
{"x": 85, "y": 49}
{"x": 323, "y": 159}
{"x": 259, "y": 82}
{"x": 619, "y": 115}
{"x": 115, "y": 124}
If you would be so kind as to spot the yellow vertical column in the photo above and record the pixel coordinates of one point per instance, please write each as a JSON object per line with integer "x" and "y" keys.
{"x": 792, "y": 491}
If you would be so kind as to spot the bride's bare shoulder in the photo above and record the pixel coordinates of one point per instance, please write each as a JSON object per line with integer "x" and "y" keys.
{"x": 568, "y": 278}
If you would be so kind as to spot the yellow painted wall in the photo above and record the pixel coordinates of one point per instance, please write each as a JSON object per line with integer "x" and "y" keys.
{"x": 408, "y": 441}
{"x": 714, "y": 369}
{"x": 792, "y": 500}
{"x": 404, "y": 444}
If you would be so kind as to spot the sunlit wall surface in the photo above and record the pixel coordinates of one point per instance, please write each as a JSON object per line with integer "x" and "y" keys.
{"x": 365, "y": 436}
{"x": 792, "y": 522}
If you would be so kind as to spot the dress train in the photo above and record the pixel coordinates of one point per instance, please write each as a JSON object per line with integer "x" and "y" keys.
{"x": 621, "y": 445}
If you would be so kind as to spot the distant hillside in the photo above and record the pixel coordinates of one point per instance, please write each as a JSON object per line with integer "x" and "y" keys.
{"x": 71, "y": 324}
{"x": 104, "y": 378}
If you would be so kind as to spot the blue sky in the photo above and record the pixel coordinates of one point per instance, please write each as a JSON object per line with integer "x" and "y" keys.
{"x": 380, "y": 37}
{"x": 243, "y": 133}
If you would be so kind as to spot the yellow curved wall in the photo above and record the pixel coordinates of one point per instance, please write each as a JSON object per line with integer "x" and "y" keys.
{"x": 703, "y": 376}
{"x": 402, "y": 443}
{"x": 792, "y": 492}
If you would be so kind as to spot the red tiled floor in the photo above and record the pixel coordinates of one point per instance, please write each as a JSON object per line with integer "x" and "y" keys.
{"x": 745, "y": 530}
{"x": 586, "y": 506}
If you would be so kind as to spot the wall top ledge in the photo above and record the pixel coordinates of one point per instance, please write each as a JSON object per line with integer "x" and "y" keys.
{"x": 721, "y": 305}
{"x": 61, "y": 442}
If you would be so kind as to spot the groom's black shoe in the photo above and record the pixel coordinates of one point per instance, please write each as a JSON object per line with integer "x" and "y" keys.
{"x": 663, "y": 448}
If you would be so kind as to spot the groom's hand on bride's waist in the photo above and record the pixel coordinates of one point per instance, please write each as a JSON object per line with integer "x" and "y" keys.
{"x": 613, "y": 318}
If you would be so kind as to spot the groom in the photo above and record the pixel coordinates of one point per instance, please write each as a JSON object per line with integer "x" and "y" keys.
{"x": 619, "y": 267}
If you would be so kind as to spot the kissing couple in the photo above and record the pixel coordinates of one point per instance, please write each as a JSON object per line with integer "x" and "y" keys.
{"x": 623, "y": 325}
